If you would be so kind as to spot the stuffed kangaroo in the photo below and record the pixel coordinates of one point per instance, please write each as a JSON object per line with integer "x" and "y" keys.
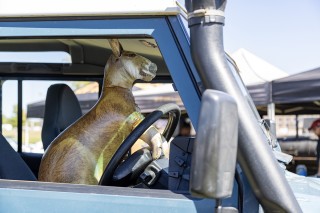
{"x": 73, "y": 156}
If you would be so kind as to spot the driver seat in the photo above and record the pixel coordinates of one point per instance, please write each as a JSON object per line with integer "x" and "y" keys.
{"x": 62, "y": 108}
{"x": 12, "y": 166}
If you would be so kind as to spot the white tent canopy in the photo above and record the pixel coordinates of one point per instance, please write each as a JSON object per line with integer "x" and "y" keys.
{"x": 254, "y": 70}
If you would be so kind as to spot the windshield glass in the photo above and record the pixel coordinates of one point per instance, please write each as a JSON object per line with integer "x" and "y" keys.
{"x": 246, "y": 95}
{"x": 243, "y": 88}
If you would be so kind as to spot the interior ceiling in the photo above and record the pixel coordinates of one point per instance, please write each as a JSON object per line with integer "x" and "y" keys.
{"x": 86, "y": 53}
{"x": 142, "y": 46}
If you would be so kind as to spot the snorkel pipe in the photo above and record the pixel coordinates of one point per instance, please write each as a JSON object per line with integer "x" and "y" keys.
{"x": 206, "y": 21}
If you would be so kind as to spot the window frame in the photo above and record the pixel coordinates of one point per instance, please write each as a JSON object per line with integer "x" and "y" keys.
{"x": 177, "y": 56}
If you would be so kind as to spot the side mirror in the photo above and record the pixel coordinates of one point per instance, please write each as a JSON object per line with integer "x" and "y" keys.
{"x": 215, "y": 148}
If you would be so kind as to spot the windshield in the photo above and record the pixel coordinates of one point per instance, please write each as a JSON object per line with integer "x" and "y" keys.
{"x": 244, "y": 91}
{"x": 264, "y": 126}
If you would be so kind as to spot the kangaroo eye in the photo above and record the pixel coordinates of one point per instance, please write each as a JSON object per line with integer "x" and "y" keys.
{"x": 131, "y": 55}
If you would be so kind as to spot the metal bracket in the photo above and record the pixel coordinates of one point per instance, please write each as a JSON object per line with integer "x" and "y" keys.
{"x": 204, "y": 16}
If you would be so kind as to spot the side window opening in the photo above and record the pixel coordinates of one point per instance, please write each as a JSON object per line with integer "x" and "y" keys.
{"x": 148, "y": 96}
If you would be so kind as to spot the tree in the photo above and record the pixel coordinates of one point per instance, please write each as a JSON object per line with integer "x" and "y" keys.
{"x": 13, "y": 119}
{"x": 79, "y": 84}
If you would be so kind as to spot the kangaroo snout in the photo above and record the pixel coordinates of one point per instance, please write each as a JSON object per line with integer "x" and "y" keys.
{"x": 153, "y": 68}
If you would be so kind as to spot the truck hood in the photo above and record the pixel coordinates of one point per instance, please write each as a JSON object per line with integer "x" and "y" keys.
{"x": 306, "y": 190}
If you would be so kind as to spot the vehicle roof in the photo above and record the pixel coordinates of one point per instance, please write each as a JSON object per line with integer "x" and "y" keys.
{"x": 43, "y": 8}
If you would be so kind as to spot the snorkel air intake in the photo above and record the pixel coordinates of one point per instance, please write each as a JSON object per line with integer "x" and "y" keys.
{"x": 206, "y": 21}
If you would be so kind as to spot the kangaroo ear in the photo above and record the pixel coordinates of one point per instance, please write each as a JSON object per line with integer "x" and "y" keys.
{"x": 116, "y": 47}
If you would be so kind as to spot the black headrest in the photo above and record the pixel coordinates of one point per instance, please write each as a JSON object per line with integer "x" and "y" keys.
{"x": 12, "y": 166}
{"x": 62, "y": 108}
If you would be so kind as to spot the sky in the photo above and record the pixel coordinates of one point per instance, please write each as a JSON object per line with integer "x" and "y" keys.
{"x": 285, "y": 33}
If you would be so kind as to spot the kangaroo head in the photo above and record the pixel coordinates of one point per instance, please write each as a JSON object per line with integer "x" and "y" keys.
{"x": 131, "y": 65}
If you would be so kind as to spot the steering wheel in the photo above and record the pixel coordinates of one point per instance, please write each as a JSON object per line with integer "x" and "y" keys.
{"x": 174, "y": 113}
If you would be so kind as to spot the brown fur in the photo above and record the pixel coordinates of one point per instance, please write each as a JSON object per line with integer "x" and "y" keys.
{"x": 72, "y": 157}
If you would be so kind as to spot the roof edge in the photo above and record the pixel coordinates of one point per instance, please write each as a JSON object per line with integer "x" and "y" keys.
{"x": 38, "y": 8}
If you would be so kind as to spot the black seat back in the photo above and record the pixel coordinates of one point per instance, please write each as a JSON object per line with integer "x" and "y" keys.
{"x": 12, "y": 165}
{"x": 62, "y": 108}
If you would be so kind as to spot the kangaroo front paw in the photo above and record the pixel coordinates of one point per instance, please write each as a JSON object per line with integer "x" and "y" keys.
{"x": 159, "y": 146}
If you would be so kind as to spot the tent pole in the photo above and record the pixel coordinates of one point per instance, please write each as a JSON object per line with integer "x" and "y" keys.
{"x": 297, "y": 127}
{"x": 271, "y": 111}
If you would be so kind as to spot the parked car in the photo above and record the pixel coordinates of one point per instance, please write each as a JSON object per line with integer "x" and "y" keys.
{"x": 233, "y": 164}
